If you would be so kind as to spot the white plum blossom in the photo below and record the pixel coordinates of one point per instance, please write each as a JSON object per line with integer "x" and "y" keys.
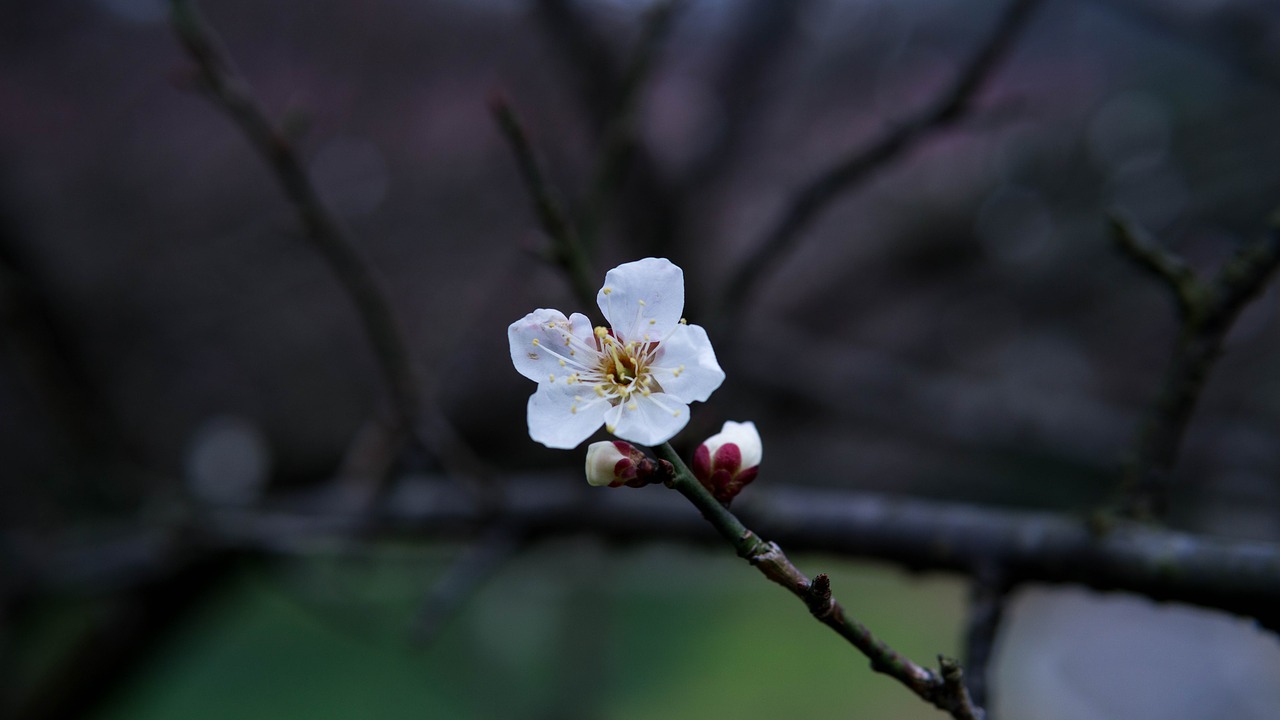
{"x": 636, "y": 377}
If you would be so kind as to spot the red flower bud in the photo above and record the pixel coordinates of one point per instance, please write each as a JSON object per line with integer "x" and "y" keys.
{"x": 613, "y": 463}
{"x": 727, "y": 461}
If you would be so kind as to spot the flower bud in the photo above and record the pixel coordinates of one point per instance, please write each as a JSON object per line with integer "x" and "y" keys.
{"x": 614, "y": 463}
{"x": 727, "y": 461}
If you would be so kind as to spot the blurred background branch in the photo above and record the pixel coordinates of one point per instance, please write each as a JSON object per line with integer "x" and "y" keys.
{"x": 330, "y": 240}
{"x": 1208, "y": 310}
{"x": 856, "y": 167}
{"x": 189, "y": 419}
{"x": 922, "y": 535}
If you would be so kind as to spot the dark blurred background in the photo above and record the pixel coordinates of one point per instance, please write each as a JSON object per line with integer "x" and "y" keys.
{"x": 960, "y": 326}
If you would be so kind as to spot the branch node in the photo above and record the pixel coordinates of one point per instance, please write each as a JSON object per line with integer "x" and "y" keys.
{"x": 955, "y": 695}
{"x": 818, "y": 596}
{"x": 1138, "y": 246}
{"x": 1208, "y": 310}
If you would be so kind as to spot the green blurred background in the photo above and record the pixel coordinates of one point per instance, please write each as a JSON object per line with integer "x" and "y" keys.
{"x": 568, "y": 630}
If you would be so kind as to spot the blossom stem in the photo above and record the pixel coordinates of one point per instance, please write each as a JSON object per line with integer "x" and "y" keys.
{"x": 945, "y": 690}
{"x": 747, "y": 543}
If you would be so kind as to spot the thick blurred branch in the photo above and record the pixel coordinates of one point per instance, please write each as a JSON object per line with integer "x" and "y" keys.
{"x": 987, "y": 595}
{"x": 945, "y": 691}
{"x": 1239, "y": 577}
{"x": 857, "y": 167}
{"x": 1208, "y": 311}
{"x": 330, "y": 239}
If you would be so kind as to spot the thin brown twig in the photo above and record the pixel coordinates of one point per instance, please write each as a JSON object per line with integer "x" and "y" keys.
{"x": 945, "y": 690}
{"x": 1208, "y": 310}
{"x": 586, "y": 54}
{"x": 330, "y": 239}
{"x": 619, "y": 139}
{"x": 858, "y": 166}
{"x": 35, "y": 334}
{"x": 1138, "y": 244}
{"x": 653, "y": 211}
{"x": 764, "y": 31}
{"x": 567, "y": 250}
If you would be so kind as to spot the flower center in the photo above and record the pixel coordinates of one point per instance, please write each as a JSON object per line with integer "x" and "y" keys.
{"x": 625, "y": 366}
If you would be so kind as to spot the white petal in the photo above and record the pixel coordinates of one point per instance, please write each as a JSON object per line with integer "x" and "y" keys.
{"x": 643, "y": 298}
{"x": 650, "y": 420}
{"x": 686, "y": 365}
{"x": 548, "y": 347}
{"x": 562, "y": 416}
{"x": 580, "y": 326}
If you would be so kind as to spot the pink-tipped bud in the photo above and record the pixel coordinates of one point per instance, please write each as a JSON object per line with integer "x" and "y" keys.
{"x": 727, "y": 461}
{"x": 613, "y": 463}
